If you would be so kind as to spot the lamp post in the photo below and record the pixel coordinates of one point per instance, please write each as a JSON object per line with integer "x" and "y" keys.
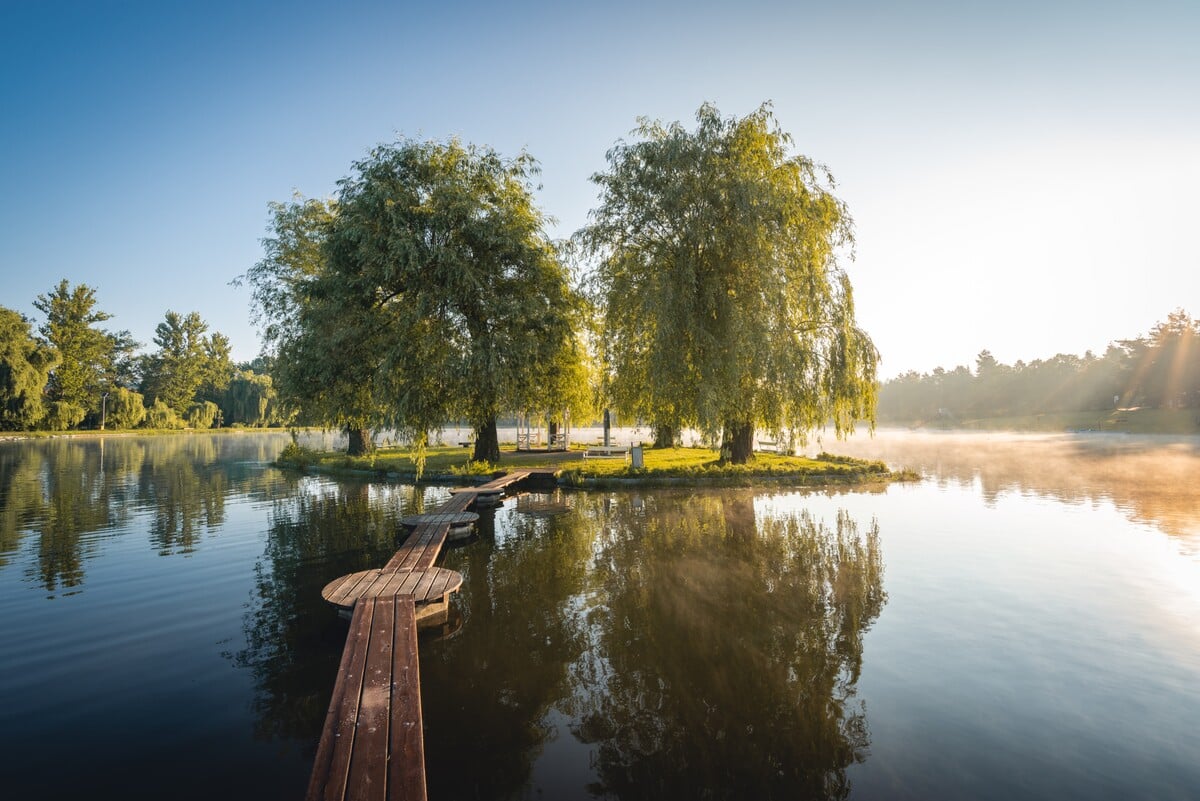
{"x": 103, "y": 409}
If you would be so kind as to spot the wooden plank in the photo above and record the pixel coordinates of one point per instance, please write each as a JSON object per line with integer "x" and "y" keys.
{"x": 351, "y": 589}
{"x": 417, "y": 541}
{"x": 331, "y": 591}
{"x": 406, "y": 746}
{"x": 367, "y": 780}
{"x": 458, "y": 503}
{"x": 376, "y": 588}
{"x": 505, "y": 480}
{"x": 430, "y": 555}
{"x": 392, "y": 587}
{"x": 440, "y": 584}
{"x": 454, "y": 518}
{"x": 409, "y": 583}
{"x": 421, "y": 592}
{"x": 405, "y": 560}
{"x": 332, "y": 764}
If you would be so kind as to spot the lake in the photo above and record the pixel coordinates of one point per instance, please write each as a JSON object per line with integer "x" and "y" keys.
{"x": 1024, "y": 622}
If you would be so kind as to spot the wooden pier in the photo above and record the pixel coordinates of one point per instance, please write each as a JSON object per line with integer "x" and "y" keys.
{"x": 373, "y": 746}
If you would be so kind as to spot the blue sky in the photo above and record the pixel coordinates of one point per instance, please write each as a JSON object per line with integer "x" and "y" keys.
{"x": 1022, "y": 175}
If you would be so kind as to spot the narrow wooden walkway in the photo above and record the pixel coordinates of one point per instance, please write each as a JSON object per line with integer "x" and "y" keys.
{"x": 372, "y": 746}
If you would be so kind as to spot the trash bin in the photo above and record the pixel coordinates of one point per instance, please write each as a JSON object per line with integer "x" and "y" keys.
{"x": 635, "y": 456}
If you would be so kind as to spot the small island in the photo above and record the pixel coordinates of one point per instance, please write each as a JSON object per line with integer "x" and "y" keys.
{"x": 688, "y": 466}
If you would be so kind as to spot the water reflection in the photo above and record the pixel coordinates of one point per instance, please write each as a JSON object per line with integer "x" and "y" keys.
{"x": 690, "y": 646}
{"x": 317, "y": 531}
{"x": 72, "y": 494}
{"x": 727, "y": 651}
{"x": 486, "y": 691}
{"x": 1153, "y": 480}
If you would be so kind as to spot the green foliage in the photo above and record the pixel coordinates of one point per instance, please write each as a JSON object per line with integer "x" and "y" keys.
{"x": 428, "y": 292}
{"x": 161, "y": 416}
{"x": 125, "y": 408}
{"x": 296, "y": 455}
{"x": 25, "y": 366}
{"x": 321, "y": 368}
{"x": 1160, "y": 370}
{"x": 92, "y": 359}
{"x": 250, "y": 399}
{"x": 187, "y": 362}
{"x": 62, "y": 415}
{"x": 723, "y": 303}
{"x": 202, "y": 415}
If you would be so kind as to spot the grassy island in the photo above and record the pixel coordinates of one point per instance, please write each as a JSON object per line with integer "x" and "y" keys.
{"x": 662, "y": 466}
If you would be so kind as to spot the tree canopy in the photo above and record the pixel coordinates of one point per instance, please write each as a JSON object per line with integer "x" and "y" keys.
{"x": 723, "y": 303}
{"x": 25, "y": 366}
{"x": 187, "y": 361}
{"x": 427, "y": 292}
{"x": 92, "y": 359}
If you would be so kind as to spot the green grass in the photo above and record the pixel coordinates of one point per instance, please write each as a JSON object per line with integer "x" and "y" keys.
{"x": 446, "y": 462}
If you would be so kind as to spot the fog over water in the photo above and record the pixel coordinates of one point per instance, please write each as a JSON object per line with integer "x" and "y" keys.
{"x": 1154, "y": 480}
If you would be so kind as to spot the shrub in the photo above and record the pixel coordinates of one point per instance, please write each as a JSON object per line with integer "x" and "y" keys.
{"x": 160, "y": 415}
{"x": 125, "y": 408}
{"x": 62, "y": 415}
{"x": 202, "y": 415}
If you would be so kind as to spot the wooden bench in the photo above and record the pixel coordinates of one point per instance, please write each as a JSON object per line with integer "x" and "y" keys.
{"x": 373, "y": 745}
{"x": 606, "y": 452}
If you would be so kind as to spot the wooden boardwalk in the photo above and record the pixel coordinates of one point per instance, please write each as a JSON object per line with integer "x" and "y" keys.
{"x": 372, "y": 746}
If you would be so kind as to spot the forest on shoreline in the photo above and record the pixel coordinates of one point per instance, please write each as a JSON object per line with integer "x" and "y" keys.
{"x": 1157, "y": 371}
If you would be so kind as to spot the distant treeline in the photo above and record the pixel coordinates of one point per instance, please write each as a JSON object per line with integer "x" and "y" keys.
{"x": 1159, "y": 370}
{"x": 71, "y": 373}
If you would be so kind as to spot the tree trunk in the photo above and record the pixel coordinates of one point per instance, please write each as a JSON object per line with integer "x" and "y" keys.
{"x": 737, "y": 443}
{"x": 487, "y": 442}
{"x": 664, "y": 436}
{"x": 551, "y": 433}
{"x": 360, "y": 441}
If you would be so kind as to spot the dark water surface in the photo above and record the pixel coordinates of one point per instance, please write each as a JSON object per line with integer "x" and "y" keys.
{"x": 1024, "y": 623}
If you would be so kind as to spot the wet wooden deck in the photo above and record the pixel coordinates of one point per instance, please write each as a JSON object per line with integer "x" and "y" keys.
{"x": 372, "y": 746}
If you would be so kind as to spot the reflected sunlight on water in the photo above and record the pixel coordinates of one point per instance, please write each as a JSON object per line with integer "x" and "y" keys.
{"x": 1153, "y": 480}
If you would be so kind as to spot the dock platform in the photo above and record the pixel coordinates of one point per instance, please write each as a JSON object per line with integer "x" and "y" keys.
{"x": 372, "y": 745}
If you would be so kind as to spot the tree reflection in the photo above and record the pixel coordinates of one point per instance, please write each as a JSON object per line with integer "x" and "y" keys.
{"x": 71, "y": 490}
{"x": 727, "y": 651}
{"x": 21, "y": 502}
{"x": 318, "y": 531}
{"x": 72, "y": 494}
{"x": 487, "y": 691}
{"x": 185, "y": 488}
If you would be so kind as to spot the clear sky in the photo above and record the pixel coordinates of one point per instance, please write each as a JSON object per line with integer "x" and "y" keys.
{"x": 1024, "y": 177}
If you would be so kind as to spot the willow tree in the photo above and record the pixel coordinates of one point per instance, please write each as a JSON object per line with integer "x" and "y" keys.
{"x": 724, "y": 304}
{"x": 441, "y": 258}
{"x": 25, "y": 366}
{"x": 313, "y": 325}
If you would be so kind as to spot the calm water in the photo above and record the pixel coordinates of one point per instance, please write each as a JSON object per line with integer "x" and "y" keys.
{"x": 1023, "y": 623}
